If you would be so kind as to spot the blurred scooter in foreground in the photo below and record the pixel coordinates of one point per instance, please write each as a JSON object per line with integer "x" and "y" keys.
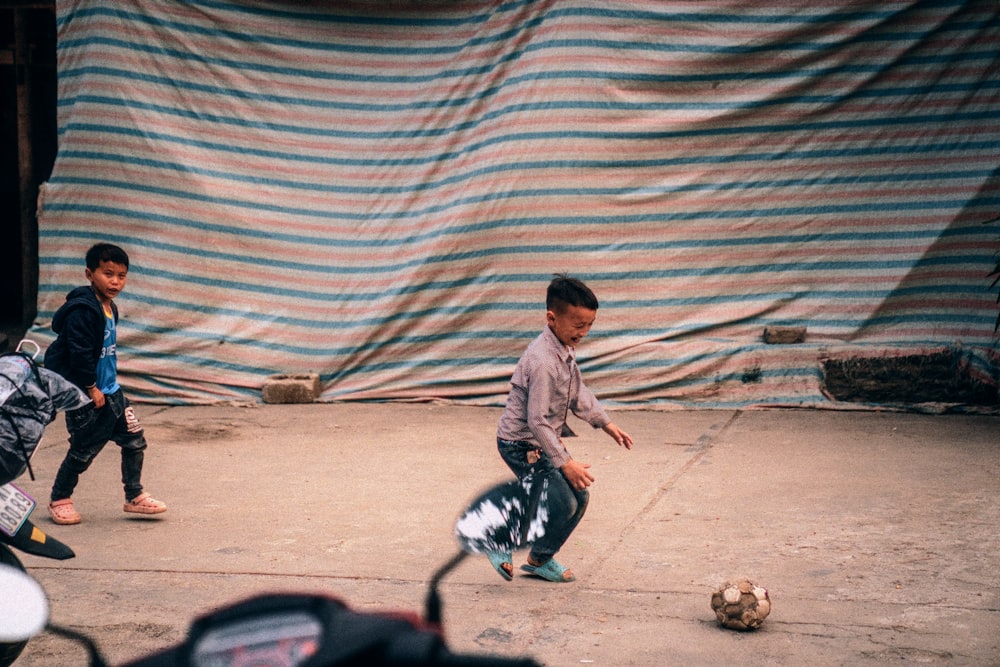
{"x": 309, "y": 630}
{"x": 30, "y": 397}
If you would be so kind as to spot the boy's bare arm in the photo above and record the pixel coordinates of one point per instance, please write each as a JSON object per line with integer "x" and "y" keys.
{"x": 619, "y": 436}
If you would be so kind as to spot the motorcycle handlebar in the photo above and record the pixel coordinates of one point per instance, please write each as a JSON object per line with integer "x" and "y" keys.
{"x": 173, "y": 659}
{"x": 315, "y": 631}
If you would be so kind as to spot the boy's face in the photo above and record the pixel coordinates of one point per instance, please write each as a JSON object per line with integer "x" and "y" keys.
{"x": 108, "y": 280}
{"x": 572, "y": 324}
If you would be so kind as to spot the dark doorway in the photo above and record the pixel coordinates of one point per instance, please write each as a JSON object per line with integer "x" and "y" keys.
{"x": 27, "y": 152}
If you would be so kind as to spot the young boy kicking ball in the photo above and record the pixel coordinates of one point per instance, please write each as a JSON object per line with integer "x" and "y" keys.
{"x": 545, "y": 387}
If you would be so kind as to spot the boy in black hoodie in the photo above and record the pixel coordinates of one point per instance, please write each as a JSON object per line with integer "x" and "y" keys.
{"x": 84, "y": 352}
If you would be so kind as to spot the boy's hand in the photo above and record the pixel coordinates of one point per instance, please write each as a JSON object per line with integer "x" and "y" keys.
{"x": 97, "y": 396}
{"x": 620, "y": 436}
{"x": 577, "y": 475}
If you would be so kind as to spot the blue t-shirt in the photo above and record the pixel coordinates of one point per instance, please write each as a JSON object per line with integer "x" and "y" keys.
{"x": 107, "y": 365}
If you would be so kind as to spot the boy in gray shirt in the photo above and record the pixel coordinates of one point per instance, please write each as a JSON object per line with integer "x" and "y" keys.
{"x": 545, "y": 387}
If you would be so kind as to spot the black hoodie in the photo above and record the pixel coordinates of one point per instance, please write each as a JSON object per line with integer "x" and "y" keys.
{"x": 79, "y": 327}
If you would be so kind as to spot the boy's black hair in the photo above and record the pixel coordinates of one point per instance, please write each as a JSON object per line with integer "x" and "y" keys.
{"x": 565, "y": 291}
{"x": 105, "y": 252}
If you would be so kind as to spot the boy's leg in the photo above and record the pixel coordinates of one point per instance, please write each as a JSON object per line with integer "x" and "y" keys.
{"x": 130, "y": 436}
{"x": 89, "y": 430}
{"x": 133, "y": 455}
{"x": 565, "y": 506}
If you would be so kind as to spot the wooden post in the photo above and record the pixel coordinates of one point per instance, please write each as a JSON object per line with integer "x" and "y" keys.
{"x": 26, "y": 169}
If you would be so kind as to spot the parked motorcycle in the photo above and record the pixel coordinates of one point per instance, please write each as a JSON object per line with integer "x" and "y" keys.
{"x": 30, "y": 397}
{"x": 310, "y": 630}
{"x": 30, "y": 539}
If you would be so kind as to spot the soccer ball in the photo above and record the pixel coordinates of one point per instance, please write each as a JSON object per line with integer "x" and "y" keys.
{"x": 741, "y": 605}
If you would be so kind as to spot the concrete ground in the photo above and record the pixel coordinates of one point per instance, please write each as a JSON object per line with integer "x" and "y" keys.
{"x": 875, "y": 533}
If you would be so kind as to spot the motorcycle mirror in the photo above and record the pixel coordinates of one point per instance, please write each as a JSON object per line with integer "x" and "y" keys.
{"x": 505, "y": 517}
{"x": 24, "y": 609}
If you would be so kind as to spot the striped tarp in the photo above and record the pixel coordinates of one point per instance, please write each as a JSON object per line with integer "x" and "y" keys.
{"x": 379, "y": 192}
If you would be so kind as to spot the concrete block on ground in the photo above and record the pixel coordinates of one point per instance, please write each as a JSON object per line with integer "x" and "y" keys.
{"x": 291, "y": 388}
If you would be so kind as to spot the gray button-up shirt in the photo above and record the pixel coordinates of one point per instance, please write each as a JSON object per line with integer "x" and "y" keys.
{"x": 545, "y": 387}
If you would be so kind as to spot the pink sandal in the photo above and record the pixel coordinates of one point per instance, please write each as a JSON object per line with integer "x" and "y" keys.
{"x": 145, "y": 504}
{"x": 63, "y": 512}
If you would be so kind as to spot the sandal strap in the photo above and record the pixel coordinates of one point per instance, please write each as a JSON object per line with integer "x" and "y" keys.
{"x": 550, "y": 570}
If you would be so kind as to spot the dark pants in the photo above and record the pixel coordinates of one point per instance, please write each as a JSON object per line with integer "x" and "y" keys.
{"x": 565, "y": 505}
{"x": 89, "y": 430}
